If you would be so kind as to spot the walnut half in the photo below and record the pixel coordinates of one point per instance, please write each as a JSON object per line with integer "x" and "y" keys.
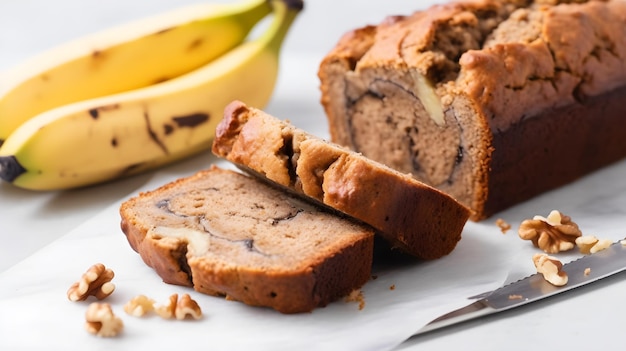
{"x": 179, "y": 308}
{"x": 551, "y": 269}
{"x": 95, "y": 281}
{"x": 553, "y": 234}
{"x": 139, "y": 305}
{"x": 101, "y": 321}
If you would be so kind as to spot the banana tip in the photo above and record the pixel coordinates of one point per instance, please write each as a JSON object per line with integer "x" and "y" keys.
{"x": 297, "y": 5}
{"x": 10, "y": 168}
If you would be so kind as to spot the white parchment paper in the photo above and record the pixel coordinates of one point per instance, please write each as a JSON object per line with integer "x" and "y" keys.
{"x": 405, "y": 295}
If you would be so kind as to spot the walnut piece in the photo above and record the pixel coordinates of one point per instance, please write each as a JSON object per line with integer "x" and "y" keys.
{"x": 139, "y": 305}
{"x": 553, "y": 234}
{"x": 179, "y": 308}
{"x": 95, "y": 281}
{"x": 589, "y": 244}
{"x": 101, "y": 321}
{"x": 551, "y": 269}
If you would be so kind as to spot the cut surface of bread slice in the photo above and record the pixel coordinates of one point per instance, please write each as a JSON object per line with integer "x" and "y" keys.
{"x": 414, "y": 217}
{"x": 228, "y": 234}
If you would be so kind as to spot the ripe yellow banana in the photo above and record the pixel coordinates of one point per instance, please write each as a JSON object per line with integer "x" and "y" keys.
{"x": 128, "y": 57}
{"x": 106, "y": 138}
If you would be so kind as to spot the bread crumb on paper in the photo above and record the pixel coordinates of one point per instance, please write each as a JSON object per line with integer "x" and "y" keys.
{"x": 503, "y": 225}
{"x": 356, "y": 296}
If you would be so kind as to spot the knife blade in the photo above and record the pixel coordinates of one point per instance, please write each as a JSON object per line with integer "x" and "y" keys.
{"x": 600, "y": 265}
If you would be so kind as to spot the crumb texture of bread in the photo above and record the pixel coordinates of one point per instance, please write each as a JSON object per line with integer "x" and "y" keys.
{"x": 414, "y": 217}
{"x": 228, "y": 234}
{"x": 490, "y": 101}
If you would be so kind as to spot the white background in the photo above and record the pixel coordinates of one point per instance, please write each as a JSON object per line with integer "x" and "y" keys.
{"x": 592, "y": 317}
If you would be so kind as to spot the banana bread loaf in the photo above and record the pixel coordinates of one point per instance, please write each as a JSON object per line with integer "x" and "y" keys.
{"x": 225, "y": 233}
{"x": 414, "y": 217}
{"x": 491, "y": 101}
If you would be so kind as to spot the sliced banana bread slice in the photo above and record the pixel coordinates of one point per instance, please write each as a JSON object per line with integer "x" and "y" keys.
{"x": 228, "y": 234}
{"x": 414, "y": 217}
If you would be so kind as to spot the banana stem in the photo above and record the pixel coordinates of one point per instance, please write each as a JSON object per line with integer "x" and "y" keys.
{"x": 256, "y": 10}
{"x": 285, "y": 12}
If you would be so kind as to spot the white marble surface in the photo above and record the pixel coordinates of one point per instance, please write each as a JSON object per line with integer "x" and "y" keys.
{"x": 49, "y": 239}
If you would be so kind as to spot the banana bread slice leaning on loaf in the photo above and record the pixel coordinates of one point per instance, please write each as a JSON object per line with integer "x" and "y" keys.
{"x": 491, "y": 101}
{"x": 414, "y": 217}
{"x": 225, "y": 233}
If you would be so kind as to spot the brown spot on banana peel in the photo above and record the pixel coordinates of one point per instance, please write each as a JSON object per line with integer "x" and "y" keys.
{"x": 192, "y": 120}
{"x": 95, "y": 112}
{"x": 130, "y": 169}
{"x": 164, "y": 30}
{"x": 152, "y": 133}
{"x": 160, "y": 80}
{"x": 195, "y": 44}
{"x": 168, "y": 129}
{"x": 10, "y": 168}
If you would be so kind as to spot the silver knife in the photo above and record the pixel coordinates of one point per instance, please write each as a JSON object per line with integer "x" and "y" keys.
{"x": 600, "y": 265}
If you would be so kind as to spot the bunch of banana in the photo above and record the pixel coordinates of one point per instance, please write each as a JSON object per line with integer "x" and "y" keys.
{"x": 85, "y": 114}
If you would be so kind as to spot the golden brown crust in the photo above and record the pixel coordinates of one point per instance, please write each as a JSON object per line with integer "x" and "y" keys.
{"x": 414, "y": 217}
{"x": 230, "y": 235}
{"x": 493, "y": 66}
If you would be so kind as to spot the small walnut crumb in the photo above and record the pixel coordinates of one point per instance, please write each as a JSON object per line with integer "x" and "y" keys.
{"x": 504, "y": 226}
{"x": 553, "y": 234}
{"x": 587, "y": 271}
{"x": 356, "y": 296}
{"x": 601, "y": 245}
{"x": 95, "y": 281}
{"x": 585, "y": 243}
{"x": 515, "y": 297}
{"x": 392, "y": 287}
{"x": 551, "y": 269}
{"x": 139, "y": 305}
{"x": 179, "y": 308}
{"x": 589, "y": 244}
{"x": 374, "y": 277}
{"x": 101, "y": 321}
